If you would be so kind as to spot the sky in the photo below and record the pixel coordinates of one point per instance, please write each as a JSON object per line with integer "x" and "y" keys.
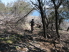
{"x": 35, "y": 13}
{"x": 7, "y": 1}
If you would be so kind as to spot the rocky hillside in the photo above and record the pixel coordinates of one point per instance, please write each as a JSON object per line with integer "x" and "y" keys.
{"x": 9, "y": 22}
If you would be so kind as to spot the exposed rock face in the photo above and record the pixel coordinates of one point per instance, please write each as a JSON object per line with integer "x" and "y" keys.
{"x": 37, "y": 19}
{"x": 26, "y": 26}
{"x": 12, "y": 19}
{"x": 64, "y": 25}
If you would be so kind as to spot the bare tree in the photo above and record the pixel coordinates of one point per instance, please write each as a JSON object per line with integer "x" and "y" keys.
{"x": 42, "y": 16}
{"x": 39, "y": 5}
{"x": 57, "y": 4}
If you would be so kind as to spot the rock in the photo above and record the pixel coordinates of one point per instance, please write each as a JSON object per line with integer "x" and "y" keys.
{"x": 37, "y": 45}
{"x": 22, "y": 49}
{"x": 31, "y": 47}
{"x": 26, "y": 26}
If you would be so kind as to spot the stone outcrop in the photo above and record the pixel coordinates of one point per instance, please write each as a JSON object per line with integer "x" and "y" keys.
{"x": 64, "y": 25}
{"x": 4, "y": 20}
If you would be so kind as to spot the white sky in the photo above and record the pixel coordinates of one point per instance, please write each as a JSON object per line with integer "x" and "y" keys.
{"x": 7, "y": 1}
{"x": 10, "y": 1}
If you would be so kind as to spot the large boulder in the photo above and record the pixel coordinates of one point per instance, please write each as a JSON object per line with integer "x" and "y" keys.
{"x": 26, "y": 26}
{"x": 64, "y": 25}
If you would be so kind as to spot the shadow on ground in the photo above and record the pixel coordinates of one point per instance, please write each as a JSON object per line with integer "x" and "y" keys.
{"x": 6, "y": 48}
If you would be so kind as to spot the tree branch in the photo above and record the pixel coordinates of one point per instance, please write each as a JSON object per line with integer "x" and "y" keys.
{"x": 21, "y": 19}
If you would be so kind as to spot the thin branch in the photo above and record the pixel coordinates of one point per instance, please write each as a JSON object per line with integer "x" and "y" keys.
{"x": 33, "y": 3}
{"x": 53, "y": 2}
{"x": 59, "y": 4}
{"x": 21, "y": 19}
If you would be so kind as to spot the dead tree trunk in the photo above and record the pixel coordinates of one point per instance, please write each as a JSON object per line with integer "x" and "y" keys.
{"x": 43, "y": 18}
{"x": 56, "y": 7}
{"x": 56, "y": 22}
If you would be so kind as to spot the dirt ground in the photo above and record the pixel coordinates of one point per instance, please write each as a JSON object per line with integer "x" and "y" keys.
{"x": 32, "y": 42}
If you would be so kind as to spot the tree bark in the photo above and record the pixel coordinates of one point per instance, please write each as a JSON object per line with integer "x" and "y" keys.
{"x": 43, "y": 18}
{"x": 56, "y": 22}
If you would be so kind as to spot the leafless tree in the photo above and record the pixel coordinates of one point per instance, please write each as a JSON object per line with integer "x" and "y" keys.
{"x": 57, "y": 4}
